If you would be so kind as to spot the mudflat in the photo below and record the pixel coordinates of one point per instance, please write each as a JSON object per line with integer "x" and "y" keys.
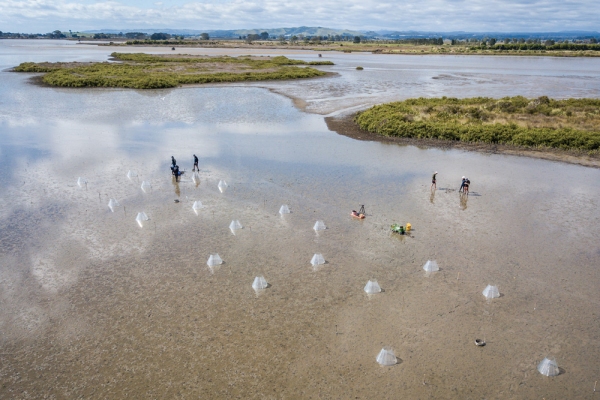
{"x": 93, "y": 305}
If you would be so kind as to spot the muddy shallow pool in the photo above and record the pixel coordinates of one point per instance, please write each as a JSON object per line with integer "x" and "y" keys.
{"x": 93, "y": 305}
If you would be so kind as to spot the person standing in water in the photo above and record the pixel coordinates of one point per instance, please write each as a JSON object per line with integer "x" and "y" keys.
{"x": 176, "y": 173}
{"x": 462, "y": 185}
{"x": 433, "y": 181}
{"x": 195, "y": 164}
{"x": 466, "y": 186}
{"x": 173, "y": 165}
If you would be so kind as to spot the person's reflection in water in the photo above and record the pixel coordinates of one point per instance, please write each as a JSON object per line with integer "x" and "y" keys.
{"x": 432, "y": 196}
{"x": 177, "y": 190}
{"x": 463, "y": 201}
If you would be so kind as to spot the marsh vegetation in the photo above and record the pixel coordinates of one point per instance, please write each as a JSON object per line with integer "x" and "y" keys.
{"x": 145, "y": 71}
{"x": 572, "y": 124}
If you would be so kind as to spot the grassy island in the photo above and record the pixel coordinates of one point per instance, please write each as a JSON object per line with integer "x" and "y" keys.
{"x": 145, "y": 71}
{"x": 572, "y": 124}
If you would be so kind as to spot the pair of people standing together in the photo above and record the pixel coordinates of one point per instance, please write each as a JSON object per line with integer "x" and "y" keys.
{"x": 464, "y": 187}
{"x": 175, "y": 168}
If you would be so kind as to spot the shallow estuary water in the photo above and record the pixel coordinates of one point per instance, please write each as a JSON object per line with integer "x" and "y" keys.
{"x": 92, "y": 305}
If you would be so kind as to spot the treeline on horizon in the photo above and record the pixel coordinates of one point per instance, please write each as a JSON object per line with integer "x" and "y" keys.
{"x": 369, "y": 37}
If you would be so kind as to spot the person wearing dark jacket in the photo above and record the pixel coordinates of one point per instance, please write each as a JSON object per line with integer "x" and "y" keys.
{"x": 466, "y": 186}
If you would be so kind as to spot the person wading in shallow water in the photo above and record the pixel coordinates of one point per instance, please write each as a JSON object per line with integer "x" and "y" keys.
{"x": 173, "y": 162}
{"x": 195, "y": 164}
{"x": 176, "y": 173}
{"x": 462, "y": 185}
{"x": 433, "y": 180}
{"x": 466, "y": 186}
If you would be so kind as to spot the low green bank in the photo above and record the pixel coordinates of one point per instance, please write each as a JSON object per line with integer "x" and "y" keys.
{"x": 145, "y": 71}
{"x": 572, "y": 124}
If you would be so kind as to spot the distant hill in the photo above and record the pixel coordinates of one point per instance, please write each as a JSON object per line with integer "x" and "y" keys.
{"x": 235, "y": 33}
{"x": 387, "y": 34}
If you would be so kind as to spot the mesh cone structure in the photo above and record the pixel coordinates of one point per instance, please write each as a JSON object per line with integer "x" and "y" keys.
{"x": 372, "y": 287}
{"x": 431, "y": 266}
{"x": 112, "y": 204}
{"x": 131, "y": 174}
{"x": 319, "y": 226}
{"x": 491, "y": 292}
{"x": 548, "y": 367}
{"x": 214, "y": 260}
{"x": 197, "y": 205}
{"x": 146, "y": 186}
{"x": 141, "y": 218}
{"x": 386, "y": 357}
{"x": 81, "y": 182}
{"x": 284, "y": 209}
{"x": 259, "y": 283}
{"x": 317, "y": 259}
{"x": 235, "y": 224}
{"x": 222, "y": 186}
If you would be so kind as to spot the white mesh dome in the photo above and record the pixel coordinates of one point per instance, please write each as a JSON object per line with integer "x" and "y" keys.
{"x": 491, "y": 292}
{"x": 112, "y": 204}
{"x": 235, "y": 224}
{"x": 372, "y": 287}
{"x": 284, "y": 209}
{"x": 319, "y": 226}
{"x": 213, "y": 260}
{"x": 196, "y": 177}
{"x": 431, "y": 266}
{"x": 222, "y": 186}
{"x": 386, "y": 357}
{"x": 131, "y": 174}
{"x": 317, "y": 259}
{"x": 259, "y": 283}
{"x": 197, "y": 205}
{"x": 81, "y": 182}
{"x": 548, "y": 367}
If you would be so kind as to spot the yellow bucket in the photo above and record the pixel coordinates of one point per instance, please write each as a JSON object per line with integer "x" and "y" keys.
{"x": 408, "y": 225}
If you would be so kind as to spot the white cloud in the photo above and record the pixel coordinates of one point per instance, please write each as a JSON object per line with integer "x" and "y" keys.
{"x": 446, "y": 15}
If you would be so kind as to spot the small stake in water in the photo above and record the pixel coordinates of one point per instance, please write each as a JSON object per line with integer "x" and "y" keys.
{"x": 595, "y": 386}
{"x": 458, "y": 276}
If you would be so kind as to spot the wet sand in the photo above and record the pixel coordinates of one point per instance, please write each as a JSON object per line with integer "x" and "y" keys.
{"x": 95, "y": 306}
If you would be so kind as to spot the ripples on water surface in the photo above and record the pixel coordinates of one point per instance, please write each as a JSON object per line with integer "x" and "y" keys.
{"x": 93, "y": 305}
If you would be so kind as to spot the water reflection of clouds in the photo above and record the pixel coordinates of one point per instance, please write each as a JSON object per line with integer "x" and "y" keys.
{"x": 77, "y": 139}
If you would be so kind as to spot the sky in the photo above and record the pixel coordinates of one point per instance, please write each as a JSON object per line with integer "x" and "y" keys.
{"x": 40, "y": 16}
